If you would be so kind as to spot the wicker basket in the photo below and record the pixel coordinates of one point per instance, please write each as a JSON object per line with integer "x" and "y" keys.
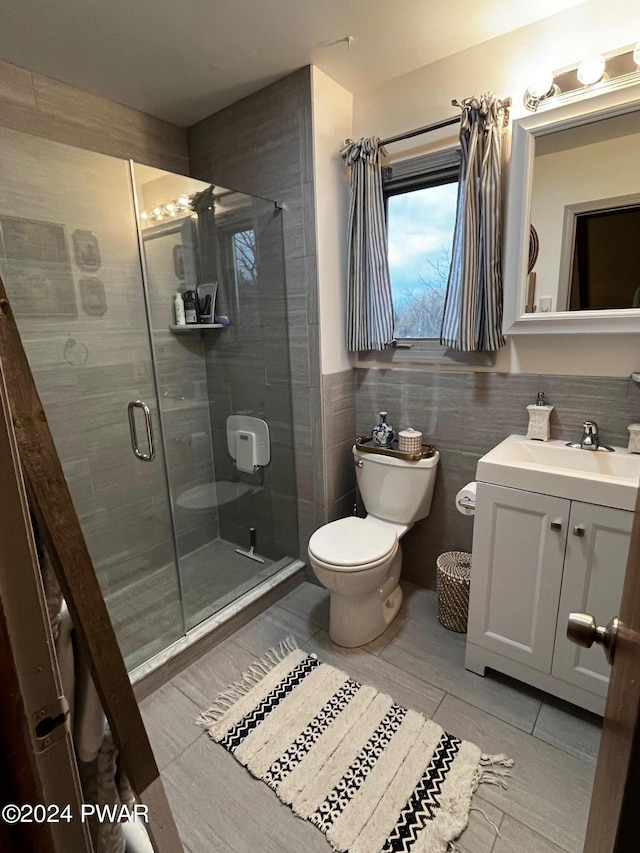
{"x": 453, "y": 581}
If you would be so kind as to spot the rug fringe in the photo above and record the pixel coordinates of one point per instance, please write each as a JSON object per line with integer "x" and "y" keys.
{"x": 493, "y": 825}
{"x": 491, "y": 771}
{"x": 249, "y": 679}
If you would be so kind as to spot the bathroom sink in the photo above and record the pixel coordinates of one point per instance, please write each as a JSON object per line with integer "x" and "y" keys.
{"x": 552, "y": 468}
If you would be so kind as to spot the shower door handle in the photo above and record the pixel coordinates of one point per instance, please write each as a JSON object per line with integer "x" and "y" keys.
{"x": 139, "y": 404}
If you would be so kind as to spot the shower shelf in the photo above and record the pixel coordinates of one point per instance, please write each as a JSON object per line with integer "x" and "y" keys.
{"x": 191, "y": 327}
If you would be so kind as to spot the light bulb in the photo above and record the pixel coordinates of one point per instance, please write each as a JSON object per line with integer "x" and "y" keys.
{"x": 157, "y": 211}
{"x": 591, "y": 69}
{"x": 636, "y": 54}
{"x": 144, "y": 215}
{"x": 183, "y": 200}
{"x": 171, "y": 208}
{"x": 540, "y": 83}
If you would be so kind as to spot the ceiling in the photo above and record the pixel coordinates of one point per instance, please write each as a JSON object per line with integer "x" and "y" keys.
{"x": 182, "y": 60}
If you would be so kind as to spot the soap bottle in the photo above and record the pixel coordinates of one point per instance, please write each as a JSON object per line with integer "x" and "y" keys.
{"x": 539, "y": 416}
{"x": 178, "y": 306}
{"x": 634, "y": 438}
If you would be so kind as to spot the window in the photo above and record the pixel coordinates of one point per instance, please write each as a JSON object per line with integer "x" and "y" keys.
{"x": 244, "y": 257}
{"x": 420, "y": 196}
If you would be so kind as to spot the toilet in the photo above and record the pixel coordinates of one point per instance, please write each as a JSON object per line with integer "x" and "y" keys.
{"x": 359, "y": 559}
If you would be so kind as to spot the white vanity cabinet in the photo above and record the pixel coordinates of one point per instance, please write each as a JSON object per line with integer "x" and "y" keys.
{"x": 536, "y": 558}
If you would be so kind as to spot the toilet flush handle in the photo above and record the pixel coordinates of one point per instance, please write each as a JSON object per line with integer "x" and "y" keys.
{"x": 358, "y": 463}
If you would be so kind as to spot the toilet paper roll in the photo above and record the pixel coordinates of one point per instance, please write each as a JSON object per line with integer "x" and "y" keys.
{"x": 466, "y": 499}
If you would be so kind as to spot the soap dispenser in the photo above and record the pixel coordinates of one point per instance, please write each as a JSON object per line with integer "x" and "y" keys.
{"x": 539, "y": 415}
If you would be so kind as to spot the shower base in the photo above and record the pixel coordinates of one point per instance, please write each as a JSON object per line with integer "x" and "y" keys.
{"x": 157, "y": 661}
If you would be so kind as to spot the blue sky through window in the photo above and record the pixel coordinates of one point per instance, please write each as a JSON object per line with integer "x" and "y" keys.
{"x": 420, "y": 232}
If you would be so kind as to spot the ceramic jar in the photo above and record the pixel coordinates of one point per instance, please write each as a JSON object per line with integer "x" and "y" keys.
{"x": 383, "y": 434}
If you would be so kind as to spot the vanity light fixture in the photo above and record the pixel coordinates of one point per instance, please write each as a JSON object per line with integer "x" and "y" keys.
{"x": 541, "y": 87}
{"x": 591, "y": 70}
{"x": 575, "y": 79}
{"x": 168, "y": 210}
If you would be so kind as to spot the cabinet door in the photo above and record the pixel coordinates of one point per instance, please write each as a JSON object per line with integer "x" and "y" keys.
{"x": 595, "y": 565}
{"x": 516, "y": 573}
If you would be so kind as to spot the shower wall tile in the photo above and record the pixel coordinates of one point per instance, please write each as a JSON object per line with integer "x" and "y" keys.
{"x": 302, "y": 342}
{"x": 279, "y": 414}
{"x": 305, "y": 479}
{"x": 465, "y": 415}
{"x": 341, "y": 477}
{"x": 17, "y": 85}
{"x": 44, "y": 107}
{"x": 302, "y": 274}
{"x": 285, "y": 527}
{"x": 338, "y": 391}
{"x": 293, "y": 222}
{"x": 343, "y": 507}
{"x": 280, "y": 475}
{"x": 191, "y": 534}
{"x": 338, "y": 434}
{"x": 311, "y": 516}
{"x": 263, "y": 145}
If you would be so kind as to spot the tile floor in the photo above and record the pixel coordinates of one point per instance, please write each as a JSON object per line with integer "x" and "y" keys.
{"x": 218, "y": 806}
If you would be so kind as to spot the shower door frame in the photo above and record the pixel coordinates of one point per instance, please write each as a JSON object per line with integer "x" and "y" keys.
{"x": 156, "y": 388}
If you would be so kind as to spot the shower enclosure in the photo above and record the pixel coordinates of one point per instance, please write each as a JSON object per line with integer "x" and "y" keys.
{"x": 93, "y": 250}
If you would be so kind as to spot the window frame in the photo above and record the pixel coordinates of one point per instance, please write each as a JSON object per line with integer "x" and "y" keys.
{"x": 417, "y": 173}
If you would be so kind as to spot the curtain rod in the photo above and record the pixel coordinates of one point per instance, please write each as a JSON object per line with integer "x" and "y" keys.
{"x": 504, "y": 105}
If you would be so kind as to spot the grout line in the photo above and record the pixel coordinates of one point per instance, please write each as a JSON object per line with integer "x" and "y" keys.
{"x": 441, "y": 700}
{"x": 299, "y": 615}
{"x": 462, "y": 699}
{"x": 536, "y": 720}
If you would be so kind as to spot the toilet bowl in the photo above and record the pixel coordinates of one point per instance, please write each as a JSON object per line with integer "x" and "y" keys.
{"x": 359, "y": 559}
{"x": 359, "y": 562}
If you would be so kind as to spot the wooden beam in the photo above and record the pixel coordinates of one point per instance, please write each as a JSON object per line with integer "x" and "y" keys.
{"x": 58, "y": 523}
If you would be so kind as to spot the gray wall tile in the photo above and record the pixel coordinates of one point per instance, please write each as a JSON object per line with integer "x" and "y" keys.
{"x": 263, "y": 145}
{"x": 45, "y": 107}
{"x": 465, "y": 415}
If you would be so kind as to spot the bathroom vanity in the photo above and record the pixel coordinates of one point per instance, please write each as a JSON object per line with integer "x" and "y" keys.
{"x": 551, "y": 536}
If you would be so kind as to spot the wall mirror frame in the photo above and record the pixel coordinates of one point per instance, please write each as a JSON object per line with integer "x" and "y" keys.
{"x": 564, "y": 112}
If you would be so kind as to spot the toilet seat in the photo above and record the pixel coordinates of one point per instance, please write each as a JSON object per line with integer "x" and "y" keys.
{"x": 353, "y": 544}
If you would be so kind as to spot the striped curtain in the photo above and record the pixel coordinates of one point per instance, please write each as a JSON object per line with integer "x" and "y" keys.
{"x": 369, "y": 302}
{"x": 472, "y": 319}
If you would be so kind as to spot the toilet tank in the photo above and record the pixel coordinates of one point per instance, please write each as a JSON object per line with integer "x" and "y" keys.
{"x": 394, "y": 489}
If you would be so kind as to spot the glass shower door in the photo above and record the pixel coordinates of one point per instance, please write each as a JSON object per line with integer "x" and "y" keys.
{"x": 196, "y": 236}
{"x": 69, "y": 258}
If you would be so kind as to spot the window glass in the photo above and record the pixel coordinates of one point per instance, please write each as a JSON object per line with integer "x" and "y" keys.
{"x": 420, "y": 225}
{"x": 244, "y": 253}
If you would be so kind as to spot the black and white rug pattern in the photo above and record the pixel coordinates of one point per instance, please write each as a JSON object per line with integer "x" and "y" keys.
{"x": 373, "y": 776}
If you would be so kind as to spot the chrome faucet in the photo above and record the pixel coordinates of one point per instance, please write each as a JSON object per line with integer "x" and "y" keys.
{"x": 590, "y": 439}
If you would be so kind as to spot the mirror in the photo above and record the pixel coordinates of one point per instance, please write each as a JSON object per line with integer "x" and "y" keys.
{"x": 575, "y": 193}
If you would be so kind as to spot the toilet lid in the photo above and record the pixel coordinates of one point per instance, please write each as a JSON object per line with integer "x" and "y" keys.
{"x": 352, "y": 542}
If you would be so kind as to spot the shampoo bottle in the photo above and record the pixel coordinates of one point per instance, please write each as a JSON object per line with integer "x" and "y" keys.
{"x": 191, "y": 307}
{"x": 178, "y": 306}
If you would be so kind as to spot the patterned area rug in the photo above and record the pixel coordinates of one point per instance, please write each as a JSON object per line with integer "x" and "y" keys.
{"x": 373, "y": 776}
